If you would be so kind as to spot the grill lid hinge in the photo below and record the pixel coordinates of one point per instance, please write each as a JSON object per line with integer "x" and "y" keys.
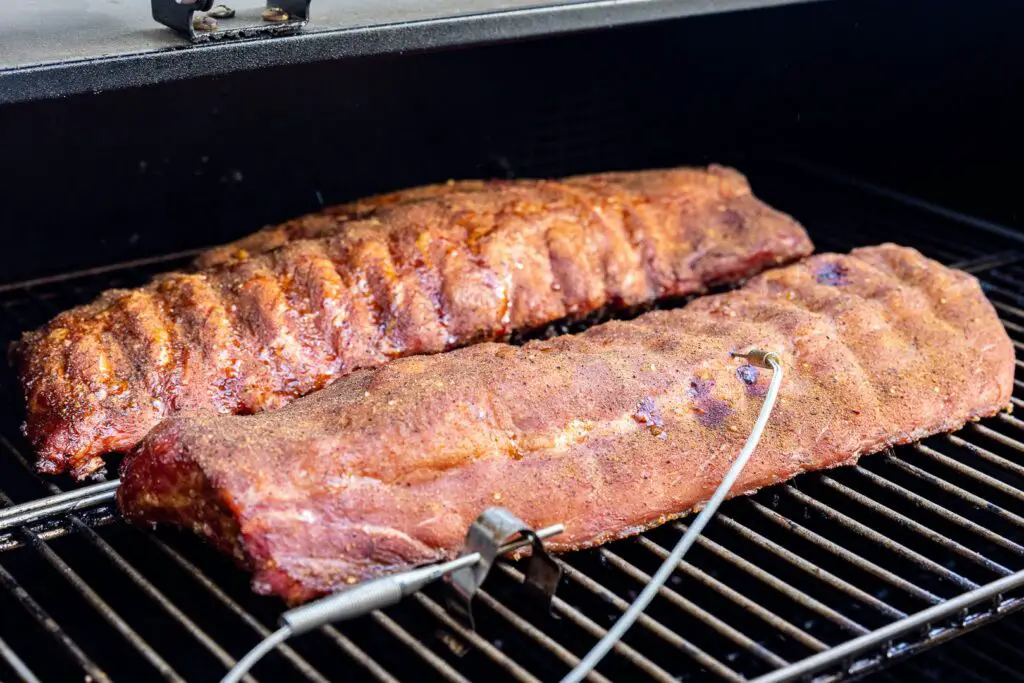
{"x": 282, "y": 17}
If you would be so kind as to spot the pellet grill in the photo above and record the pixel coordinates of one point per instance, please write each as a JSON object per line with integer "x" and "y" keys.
{"x": 126, "y": 149}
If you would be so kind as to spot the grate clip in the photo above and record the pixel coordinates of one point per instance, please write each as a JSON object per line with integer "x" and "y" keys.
{"x": 488, "y": 536}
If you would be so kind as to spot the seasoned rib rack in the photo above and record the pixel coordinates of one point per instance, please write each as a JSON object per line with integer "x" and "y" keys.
{"x": 614, "y": 430}
{"x": 780, "y": 577}
{"x": 418, "y": 272}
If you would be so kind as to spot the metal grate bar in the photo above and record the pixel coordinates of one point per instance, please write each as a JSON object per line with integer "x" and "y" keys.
{"x": 97, "y": 603}
{"x": 996, "y": 436}
{"x": 857, "y": 231}
{"x": 853, "y": 558}
{"x": 31, "y": 508}
{"x": 163, "y": 259}
{"x": 1006, "y": 279}
{"x": 1017, "y": 424}
{"x": 353, "y": 651}
{"x": 676, "y": 600}
{"x": 10, "y": 541}
{"x": 909, "y": 523}
{"x": 492, "y": 652}
{"x": 190, "y": 626}
{"x": 810, "y": 568}
{"x": 989, "y": 261}
{"x": 151, "y": 591}
{"x": 947, "y": 515}
{"x": 735, "y": 596}
{"x": 937, "y": 248}
{"x": 981, "y": 259}
{"x": 585, "y": 623}
{"x": 921, "y": 207}
{"x": 300, "y": 664}
{"x": 19, "y": 667}
{"x": 883, "y": 228}
{"x": 1005, "y": 307}
{"x": 421, "y": 650}
{"x": 655, "y": 627}
{"x": 989, "y": 455}
{"x": 885, "y": 634}
{"x": 1006, "y": 673}
{"x": 938, "y": 482}
{"x": 546, "y": 641}
{"x": 104, "y": 609}
{"x": 881, "y": 539}
{"x": 49, "y": 625}
{"x": 136, "y": 577}
{"x": 970, "y": 472}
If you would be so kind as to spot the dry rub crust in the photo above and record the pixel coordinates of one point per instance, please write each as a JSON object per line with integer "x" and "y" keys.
{"x": 422, "y": 272}
{"x": 610, "y": 431}
{"x": 332, "y": 218}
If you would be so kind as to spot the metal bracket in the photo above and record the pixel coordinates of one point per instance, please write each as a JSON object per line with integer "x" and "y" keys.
{"x": 178, "y": 15}
{"x": 494, "y": 528}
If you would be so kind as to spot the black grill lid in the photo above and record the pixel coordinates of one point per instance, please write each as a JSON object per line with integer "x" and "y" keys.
{"x": 63, "y": 47}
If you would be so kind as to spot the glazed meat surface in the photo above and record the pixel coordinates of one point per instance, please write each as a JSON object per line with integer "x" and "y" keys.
{"x": 426, "y": 271}
{"x": 611, "y": 431}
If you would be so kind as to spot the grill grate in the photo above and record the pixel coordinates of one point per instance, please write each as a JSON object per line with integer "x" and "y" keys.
{"x": 779, "y": 580}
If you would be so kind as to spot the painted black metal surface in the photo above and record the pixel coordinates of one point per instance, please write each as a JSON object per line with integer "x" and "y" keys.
{"x": 56, "y": 48}
{"x": 181, "y": 17}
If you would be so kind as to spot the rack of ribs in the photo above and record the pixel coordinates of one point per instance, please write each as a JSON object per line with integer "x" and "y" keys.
{"x": 415, "y": 272}
{"x": 611, "y": 431}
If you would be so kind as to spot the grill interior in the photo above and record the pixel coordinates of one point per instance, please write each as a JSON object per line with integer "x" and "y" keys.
{"x": 792, "y": 572}
{"x": 985, "y": 655}
{"x": 925, "y": 96}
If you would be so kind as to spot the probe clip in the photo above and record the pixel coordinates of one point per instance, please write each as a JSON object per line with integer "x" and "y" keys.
{"x": 494, "y": 528}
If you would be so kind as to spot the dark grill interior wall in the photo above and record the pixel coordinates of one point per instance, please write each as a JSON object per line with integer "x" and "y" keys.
{"x": 922, "y": 95}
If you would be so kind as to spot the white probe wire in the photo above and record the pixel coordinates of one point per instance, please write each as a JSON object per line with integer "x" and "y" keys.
{"x": 239, "y": 670}
{"x": 615, "y": 633}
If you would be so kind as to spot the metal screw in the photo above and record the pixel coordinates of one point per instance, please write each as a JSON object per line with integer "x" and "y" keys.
{"x": 275, "y": 14}
{"x": 221, "y": 12}
{"x": 204, "y": 23}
